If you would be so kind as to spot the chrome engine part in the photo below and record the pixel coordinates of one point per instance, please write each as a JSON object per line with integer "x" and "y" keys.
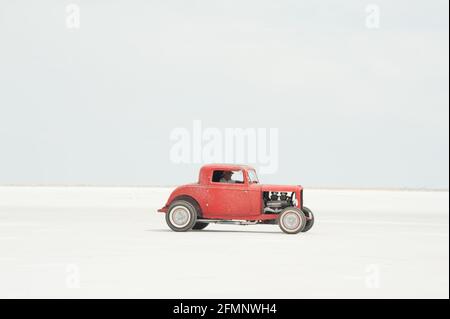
{"x": 275, "y": 202}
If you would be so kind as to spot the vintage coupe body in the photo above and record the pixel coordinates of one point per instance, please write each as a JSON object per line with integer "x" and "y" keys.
{"x": 231, "y": 194}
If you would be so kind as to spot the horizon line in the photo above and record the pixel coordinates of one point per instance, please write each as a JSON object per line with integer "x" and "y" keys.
{"x": 424, "y": 189}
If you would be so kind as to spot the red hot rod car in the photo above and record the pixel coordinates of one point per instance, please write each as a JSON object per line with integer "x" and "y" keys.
{"x": 231, "y": 194}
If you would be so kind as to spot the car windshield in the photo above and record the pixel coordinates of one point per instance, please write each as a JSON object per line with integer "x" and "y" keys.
{"x": 253, "y": 178}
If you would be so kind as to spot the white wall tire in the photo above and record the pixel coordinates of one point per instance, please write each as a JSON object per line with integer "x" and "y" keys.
{"x": 310, "y": 219}
{"x": 292, "y": 220}
{"x": 181, "y": 216}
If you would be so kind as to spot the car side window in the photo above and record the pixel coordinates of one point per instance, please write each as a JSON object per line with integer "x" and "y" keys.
{"x": 227, "y": 176}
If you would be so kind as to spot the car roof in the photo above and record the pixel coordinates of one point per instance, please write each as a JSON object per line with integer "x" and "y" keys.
{"x": 226, "y": 166}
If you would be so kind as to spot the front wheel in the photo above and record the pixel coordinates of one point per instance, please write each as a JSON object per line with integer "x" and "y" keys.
{"x": 181, "y": 216}
{"x": 292, "y": 220}
{"x": 310, "y": 219}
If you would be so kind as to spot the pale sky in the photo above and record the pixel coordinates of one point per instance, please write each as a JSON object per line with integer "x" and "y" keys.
{"x": 354, "y": 106}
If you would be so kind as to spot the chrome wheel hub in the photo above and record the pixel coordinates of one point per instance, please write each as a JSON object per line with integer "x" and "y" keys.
{"x": 180, "y": 216}
{"x": 291, "y": 221}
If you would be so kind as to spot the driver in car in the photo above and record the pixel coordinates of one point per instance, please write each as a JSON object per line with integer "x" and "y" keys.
{"x": 226, "y": 177}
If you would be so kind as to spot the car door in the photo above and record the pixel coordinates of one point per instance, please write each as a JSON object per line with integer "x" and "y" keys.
{"x": 228, "y": 200}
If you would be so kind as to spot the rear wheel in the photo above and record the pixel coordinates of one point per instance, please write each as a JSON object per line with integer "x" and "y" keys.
{"x": 181, "y": 216}
{"x": 199, "y": 225}
{"x": 292, "y": 220}
{"x": 310, "y": 219}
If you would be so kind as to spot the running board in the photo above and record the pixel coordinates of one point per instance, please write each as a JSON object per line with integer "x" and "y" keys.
{"x": 230, "y": 222}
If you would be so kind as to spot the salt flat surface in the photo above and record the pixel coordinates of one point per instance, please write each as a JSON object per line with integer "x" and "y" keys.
{"x": 109, "y": 242}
